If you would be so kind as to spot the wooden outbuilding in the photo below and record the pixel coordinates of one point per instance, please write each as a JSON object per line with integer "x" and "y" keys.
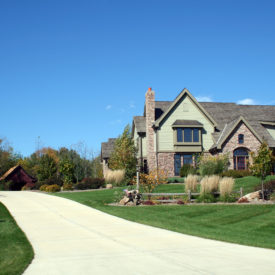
{"x": 18, "y": 176}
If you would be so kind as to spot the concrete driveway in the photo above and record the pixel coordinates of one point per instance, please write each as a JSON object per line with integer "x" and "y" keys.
{"x": 70, "y": 238}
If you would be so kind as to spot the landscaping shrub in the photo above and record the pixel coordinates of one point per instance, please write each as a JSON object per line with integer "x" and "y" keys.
{"x": 115, "y": 177}
{"x": 38, "y": 184}
{"x": 52, "y": 188}
{"x": 191, "y": 183}
{"x": 206, "y": 197}
{"x": 149, "y": 202}
{"x": 180, "y": 202}
{"x": 236, "y": 173}
{"x": 28, "y": 186}
{"x": 94, "y": 183}
{"x": 53, "y": 180}
{"x": 89, "y": 183}
{"x": 213, "y": 165}
{"x": 268, "y": 186}
{"x": 43, "y": 187}
{"x": 187, "y": 169}
{"x": 80, "y": 186}
{"x": 68, "y": 187}
{"x": 149, "y": 182}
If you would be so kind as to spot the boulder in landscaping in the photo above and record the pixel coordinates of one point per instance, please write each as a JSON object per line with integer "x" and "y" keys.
{"x": 255, "y": 196}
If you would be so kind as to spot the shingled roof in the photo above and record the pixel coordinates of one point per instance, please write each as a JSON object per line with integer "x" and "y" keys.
{"x": 226, "y": 114}
{"x": 107, "y": 148}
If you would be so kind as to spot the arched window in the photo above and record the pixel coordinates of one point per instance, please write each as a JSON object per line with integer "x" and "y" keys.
{"x": 241, "y": 138}
{"x": 240, "y": 156}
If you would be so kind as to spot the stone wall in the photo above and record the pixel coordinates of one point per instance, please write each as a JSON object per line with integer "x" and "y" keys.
{"x": 166, "y": 162}
{"x": 150, "y": 135}
{"x": 232, "y": 143}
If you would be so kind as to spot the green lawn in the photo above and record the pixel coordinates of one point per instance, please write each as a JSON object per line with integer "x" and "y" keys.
{"x": 16, "y": 251}
{"x": 244, "y": 224}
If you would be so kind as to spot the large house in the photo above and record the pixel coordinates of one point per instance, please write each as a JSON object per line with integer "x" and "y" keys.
{"x": 172, "y": 133}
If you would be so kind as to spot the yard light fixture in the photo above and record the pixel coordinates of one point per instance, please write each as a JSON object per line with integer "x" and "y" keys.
{"x": 138, "y": 170}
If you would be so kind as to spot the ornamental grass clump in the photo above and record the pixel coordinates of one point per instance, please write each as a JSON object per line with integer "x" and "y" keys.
{"x": 226, "y": 186}
{"x": 213, "y": 182}
{"x": 115, "y": 177}
{"x": 191, "y": 183}
{"x": 209, "y": 184}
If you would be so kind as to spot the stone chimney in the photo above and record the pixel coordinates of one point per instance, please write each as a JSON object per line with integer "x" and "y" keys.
{"x": 150, "y": 133}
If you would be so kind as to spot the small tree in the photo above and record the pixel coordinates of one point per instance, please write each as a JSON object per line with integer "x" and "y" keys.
{"x": 262, "y": 163}
{"x": 47, "y": 167}
{"x": 124, "y": 154}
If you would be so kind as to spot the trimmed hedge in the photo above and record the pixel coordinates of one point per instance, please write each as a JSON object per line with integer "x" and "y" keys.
{"x": 89, "y": 183}
{"x": 236, "y": 173}
{"x": 53, "y": 188}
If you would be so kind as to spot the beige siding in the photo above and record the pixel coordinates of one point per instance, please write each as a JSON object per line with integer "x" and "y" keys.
{"x": 144, "y": 151}
{"x": 185, "y": 109}
{"x": 136, "y": 141}
{"x": 144, "y": 148}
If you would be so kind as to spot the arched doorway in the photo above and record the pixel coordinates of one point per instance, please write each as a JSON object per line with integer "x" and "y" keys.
{"x": 241, "y": 157}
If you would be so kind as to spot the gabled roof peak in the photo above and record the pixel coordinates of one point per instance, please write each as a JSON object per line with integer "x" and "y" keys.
{"x": 183, "y": 93}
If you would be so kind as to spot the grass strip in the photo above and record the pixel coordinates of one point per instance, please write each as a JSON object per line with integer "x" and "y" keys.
{"x": 252, "y": 225}
{"x": 16, "y": 251}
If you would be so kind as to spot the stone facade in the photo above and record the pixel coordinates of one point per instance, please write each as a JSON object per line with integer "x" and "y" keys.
{"x": 250, "y": 142}
{"x": 150, "y": 133}
{"x": 166, "y": 163}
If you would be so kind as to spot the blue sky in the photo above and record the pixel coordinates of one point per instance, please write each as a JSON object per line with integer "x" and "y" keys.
{"x": 75, "y": 71}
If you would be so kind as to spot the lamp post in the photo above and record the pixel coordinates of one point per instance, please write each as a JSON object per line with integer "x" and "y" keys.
{"x": 137, "y": 168}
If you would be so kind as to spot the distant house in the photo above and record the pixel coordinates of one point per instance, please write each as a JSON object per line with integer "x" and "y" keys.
{"x": 171, "y": 133}
{"x": 106, "y": 150}
{"x": 18, "y": 176}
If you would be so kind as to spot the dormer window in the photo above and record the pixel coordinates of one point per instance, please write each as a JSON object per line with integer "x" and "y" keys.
{"x": 187, "y": 132}
{"x": 241, "y": 138}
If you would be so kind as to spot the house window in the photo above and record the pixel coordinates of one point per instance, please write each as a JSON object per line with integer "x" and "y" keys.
{"x": 187, "y": 135}
{"x": 241, "y": 138}
{"x": 179, "y": 135}
{"x": 180, "y": 159}
{"x": 187, "y": 159}
{"x": 240, "y": 158}
{"x": 196, "y": 137}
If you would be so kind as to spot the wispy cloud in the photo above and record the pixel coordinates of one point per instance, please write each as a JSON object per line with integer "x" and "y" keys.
{"x": 132, "y": 105}
{"x": 115, "y": 122}
{"x": 108, "y": 107}
{"x": 247, "y": 101}
{"x": 204, "y": 98}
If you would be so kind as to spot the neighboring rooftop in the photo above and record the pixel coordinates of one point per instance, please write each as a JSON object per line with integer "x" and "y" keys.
{"x": 107, "y": 148}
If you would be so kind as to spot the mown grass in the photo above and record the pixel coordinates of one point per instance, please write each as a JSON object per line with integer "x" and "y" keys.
{"x": 16, "y": 252}
{"x": 252, "y": 225}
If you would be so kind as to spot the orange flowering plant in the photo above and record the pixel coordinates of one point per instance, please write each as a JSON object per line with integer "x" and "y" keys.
{"x": 148, "y": 182}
